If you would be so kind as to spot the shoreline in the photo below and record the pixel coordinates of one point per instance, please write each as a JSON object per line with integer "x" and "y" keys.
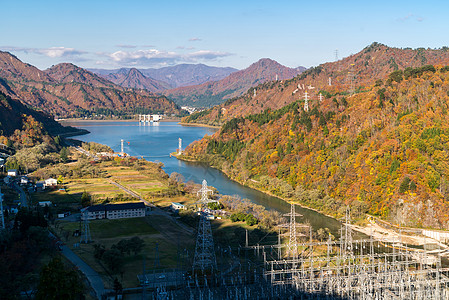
{"x": 259, "y": 190}
{"x": 111, "y": 120}
{"x": 371, "y": 228}
{"x": 198, "y": 125}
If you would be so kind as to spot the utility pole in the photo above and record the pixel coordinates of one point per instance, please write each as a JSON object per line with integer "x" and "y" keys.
{"x": 1, "y": 208}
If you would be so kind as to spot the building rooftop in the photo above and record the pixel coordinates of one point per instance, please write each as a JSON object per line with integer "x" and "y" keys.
{"x": 119, "y": 206}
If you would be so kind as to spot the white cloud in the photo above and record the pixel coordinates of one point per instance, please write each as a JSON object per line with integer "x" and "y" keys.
{"x": 59, "y": 52}
{"x": 52, "y": 52}
{"x": 410, "y": 17}
{"x": 154, "y": 57}
{"x": 206, "y": 54}
{"x": 195, "y": 39}
{"x": 126, "y": 46}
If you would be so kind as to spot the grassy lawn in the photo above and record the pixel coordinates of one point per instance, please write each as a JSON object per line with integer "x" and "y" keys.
{"x": 103, "y": 229}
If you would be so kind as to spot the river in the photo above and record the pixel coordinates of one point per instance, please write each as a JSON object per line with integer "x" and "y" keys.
{"x": 156, "y": 142}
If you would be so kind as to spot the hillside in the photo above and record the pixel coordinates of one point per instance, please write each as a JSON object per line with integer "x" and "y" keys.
{"x": 66, "y": 90}
{"x": 383, "y": 151}
{"x": 133, "y": 78}
{"x": 14, "y": 115}
{"x": 178, "y": 75}
{"x": 359, "y": 71}
{"x": 234, "y": 85}
{"x": 68, "y": 73}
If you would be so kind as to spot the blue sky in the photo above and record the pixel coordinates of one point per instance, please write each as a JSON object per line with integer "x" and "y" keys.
{"x": 115, "y": 33}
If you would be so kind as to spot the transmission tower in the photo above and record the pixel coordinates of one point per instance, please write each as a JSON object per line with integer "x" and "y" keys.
{"x": 1, "y": 209}
{"x": 204, "y": 191}
{"x": 348, "y": 231}
{"x": 292, "y": 242}
{"x": 336, "y": 55}
{"x": 85, "y": 236}
{"x": 306, "y": 101}
{"x": 179, "y": 146}
{"x": 204, "y": 251}
{"x": 350, "y": 80}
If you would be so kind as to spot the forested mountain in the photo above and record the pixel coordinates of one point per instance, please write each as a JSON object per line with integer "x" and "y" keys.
{"x": 216, "y": 92}
{"x": 178, "y": 75}
{"x": 383, "y": 150}
{"x": 355, "y": 72}
{"x": 133, "y": 78}
{"x": 25, "y": 126}
{"x": 66, "y": 90}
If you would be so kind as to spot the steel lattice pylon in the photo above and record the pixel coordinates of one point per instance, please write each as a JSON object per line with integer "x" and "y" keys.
{"x": 204, "y": 251}
{"x": 292, "y": 242}
{"x": 85, "y": 236}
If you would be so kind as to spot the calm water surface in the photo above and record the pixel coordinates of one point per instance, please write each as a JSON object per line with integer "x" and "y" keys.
{"x": 156, "y": 142}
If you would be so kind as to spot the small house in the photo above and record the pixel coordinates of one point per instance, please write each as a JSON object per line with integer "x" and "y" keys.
{"x": 45, "y": 203}
{"x": 13, "y": 172}
{"x": 175, "y": 206}
{"x": 24, "y": 180}
{"x": 50, "y": 182}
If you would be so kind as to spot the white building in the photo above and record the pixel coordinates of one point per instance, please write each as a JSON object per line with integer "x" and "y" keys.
{"x": 175, "y": 206}
{"x": 114, "y": 211}
{"x": 50, "y": 182}
{"x": 13, "y": 172}
{"x": 156, "y": 118}
{"x": 24, "y": 180}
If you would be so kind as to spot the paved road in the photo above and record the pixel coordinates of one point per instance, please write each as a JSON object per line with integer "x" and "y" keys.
{"x": 93, "y": 277}
{"x": 131, "y": 193}
{"x": 23, "y": 196}
{"x": 87, "y": 153}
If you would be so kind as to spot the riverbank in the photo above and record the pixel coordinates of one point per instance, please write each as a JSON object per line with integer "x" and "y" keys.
{"x": 381, "y": 233}
{"x": 189, "y": 159}
{"x": 368, "y": 226}
{"x": 199, "y": 125}
{"x": 110, "y": 120}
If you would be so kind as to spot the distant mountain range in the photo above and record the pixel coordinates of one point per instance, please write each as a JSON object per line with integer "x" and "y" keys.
{"x": 66, "y": 90}
{"x": 199, "y": 85}
{"x": 158, "y": 80}
{"x": 133, "y": 78}
{"x": 236, "y": 84}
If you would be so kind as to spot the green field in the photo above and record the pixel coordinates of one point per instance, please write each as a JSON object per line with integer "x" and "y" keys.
{"x": 103, "y": 229}
{"x": 146, "y": 181}
{"x": 153, "y": 229}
